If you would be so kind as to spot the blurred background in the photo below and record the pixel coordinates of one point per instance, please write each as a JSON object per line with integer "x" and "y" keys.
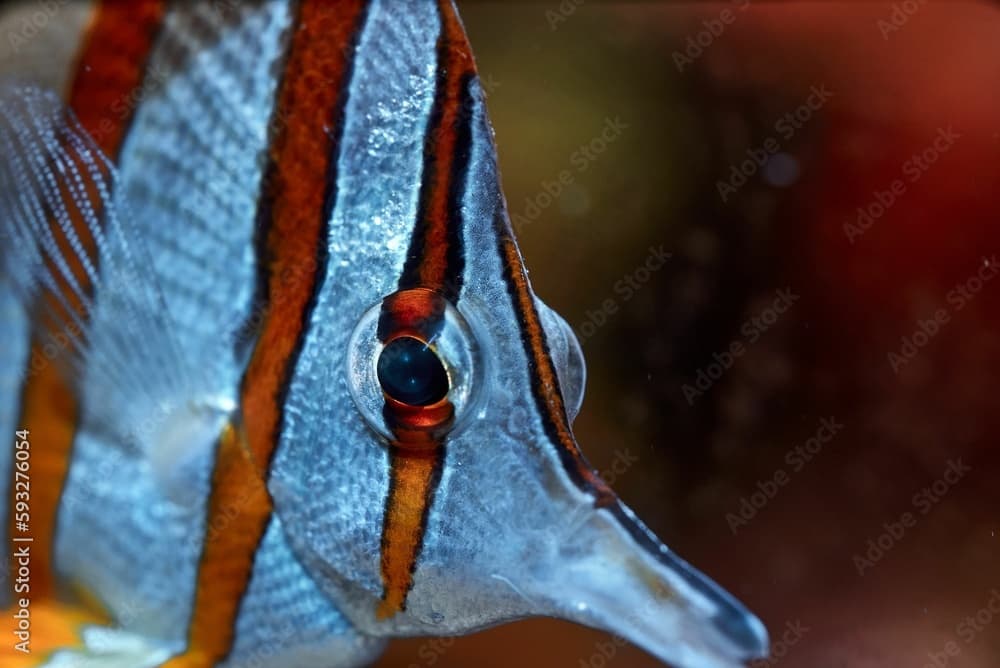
{"x": 803, "y": 399}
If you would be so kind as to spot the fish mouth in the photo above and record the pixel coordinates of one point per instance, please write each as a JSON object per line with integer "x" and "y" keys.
{"x": 618, "y": 577}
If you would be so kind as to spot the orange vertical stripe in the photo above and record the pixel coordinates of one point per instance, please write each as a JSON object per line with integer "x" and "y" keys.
{"x": 455, "y": 65}
{"x": 238, "y": 513}
{"x": 435, "y": 263}
{"x": 294, "y": 211}
{"x": 435, "y": 260}
{"x": 414, "y": 478}
{"x": 110, "y": 78}
{"x": 109, "y": 70}
{"x": 297, "y": 189}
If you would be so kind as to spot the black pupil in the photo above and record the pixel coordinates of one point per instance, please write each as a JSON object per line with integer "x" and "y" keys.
{"x": 411, "y": 373}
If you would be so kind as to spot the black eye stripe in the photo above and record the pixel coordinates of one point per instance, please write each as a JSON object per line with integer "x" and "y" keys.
{"x": 411, "y": 373}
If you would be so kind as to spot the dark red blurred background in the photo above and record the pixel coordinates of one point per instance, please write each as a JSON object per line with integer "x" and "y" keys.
{"x": 889, "y": 325}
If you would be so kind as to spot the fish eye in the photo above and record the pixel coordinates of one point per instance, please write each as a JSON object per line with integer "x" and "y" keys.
{"x": 415, "y": 362}
{"x": 565, "y": 350}
{"x": 410, "y": 372}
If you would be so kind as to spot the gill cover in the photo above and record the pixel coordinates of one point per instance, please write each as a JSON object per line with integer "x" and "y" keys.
{"x": 426, "y": 474}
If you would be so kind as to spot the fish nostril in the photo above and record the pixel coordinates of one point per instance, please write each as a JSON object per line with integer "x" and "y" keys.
{"x": 411, "y": 373}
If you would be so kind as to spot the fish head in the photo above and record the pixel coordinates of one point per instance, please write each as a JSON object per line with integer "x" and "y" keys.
{"x": 427, "y": 475}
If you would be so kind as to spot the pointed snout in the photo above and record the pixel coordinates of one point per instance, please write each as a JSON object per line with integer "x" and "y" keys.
{"x": 617, "y": 576}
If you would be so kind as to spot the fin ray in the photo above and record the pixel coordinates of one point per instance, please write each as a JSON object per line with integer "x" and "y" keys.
{"x": 78, "y": 262}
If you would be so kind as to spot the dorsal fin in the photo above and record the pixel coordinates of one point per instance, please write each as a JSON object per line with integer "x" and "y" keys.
{"x": 77, "y": 261}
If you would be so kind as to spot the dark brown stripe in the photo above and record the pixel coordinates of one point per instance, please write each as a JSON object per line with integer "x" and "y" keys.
{"x": 544, "y": 379}
{"x": 436, "y": 257}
